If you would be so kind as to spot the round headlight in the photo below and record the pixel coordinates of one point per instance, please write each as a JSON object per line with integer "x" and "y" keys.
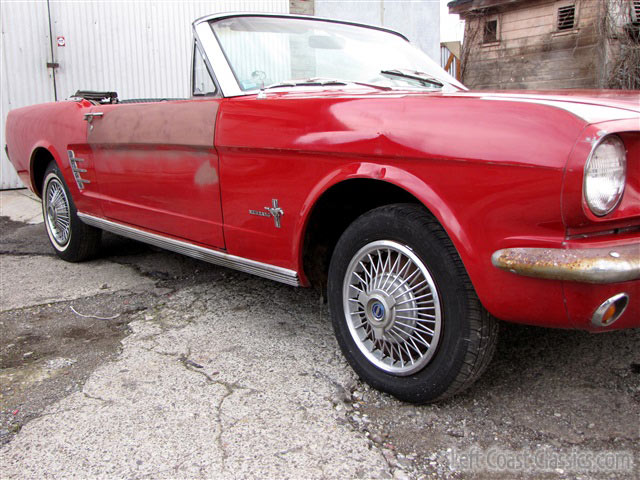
{"x": 605, "y": 175}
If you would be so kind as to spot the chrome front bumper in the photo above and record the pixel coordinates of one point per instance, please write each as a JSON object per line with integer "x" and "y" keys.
{"x": 588, "y": 265}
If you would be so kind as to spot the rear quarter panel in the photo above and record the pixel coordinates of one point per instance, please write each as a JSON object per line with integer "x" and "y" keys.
{"x": 54, "y": 127}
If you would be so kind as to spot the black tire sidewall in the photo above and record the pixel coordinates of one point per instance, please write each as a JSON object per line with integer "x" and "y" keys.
{"x": 443, "y": 368}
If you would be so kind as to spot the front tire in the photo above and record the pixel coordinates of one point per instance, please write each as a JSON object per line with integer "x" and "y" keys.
{"x": 403, "y": 308}
{"x": 71, "y": 239}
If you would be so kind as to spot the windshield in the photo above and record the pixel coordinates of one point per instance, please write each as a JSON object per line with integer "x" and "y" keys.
{"x": 265, "y": 51}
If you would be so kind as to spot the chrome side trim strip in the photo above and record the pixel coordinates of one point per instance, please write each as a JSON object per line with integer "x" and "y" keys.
{"x": 272, "y": 272}
{"x": 589, "y": 265}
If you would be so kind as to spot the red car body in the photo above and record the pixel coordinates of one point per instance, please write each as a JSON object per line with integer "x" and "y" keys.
{"x": 498, "y": 170}
{"x": 326, "y": 153}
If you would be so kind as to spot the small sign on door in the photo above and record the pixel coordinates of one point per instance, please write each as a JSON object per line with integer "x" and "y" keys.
{"x": 61, "y": 41}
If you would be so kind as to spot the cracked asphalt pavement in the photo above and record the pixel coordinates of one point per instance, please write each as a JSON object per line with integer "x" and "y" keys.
{"x": 146, "y": 364}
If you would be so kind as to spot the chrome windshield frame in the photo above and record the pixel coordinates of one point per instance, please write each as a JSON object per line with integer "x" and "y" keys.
{"x": 203, "y": 34}
{"x": 226, "y": 79}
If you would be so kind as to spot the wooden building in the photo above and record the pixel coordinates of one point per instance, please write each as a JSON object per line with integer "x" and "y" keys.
{"x": 549, "y": 44}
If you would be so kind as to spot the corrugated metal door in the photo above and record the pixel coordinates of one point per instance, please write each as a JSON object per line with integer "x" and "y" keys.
{"x": 138, "y": 49}
{"x": 26, "y": 49}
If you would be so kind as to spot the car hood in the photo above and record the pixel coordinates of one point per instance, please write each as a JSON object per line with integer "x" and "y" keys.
{"x": 592, "y": 106}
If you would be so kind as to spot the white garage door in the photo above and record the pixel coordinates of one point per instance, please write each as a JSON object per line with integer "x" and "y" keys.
{"x": 138, "y": 49}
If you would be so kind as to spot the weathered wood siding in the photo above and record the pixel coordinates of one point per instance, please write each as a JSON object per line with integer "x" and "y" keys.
{"x": 531, "y": 53}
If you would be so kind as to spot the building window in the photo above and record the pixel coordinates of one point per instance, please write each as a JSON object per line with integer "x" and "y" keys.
{"x": 566, "y": 18}
{"x": 633, "y": 28}
{"x": 635, "y": 11}
{"x": 490, "y": 31}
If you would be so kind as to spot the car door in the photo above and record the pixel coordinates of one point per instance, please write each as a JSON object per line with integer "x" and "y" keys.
{"x": 157, "y": 168}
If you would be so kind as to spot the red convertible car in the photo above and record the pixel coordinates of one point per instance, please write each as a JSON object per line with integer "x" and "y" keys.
{"x": 325, "y": 153}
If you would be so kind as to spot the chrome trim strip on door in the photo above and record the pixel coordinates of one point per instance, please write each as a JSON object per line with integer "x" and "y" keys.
{"x": 272, "y": 272}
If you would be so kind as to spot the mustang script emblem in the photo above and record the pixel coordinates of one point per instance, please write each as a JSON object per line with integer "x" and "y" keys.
{"x": 273, "y": 211}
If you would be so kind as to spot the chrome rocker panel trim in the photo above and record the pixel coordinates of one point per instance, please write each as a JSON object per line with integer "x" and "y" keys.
{"x": 587, "y": 265}
{"x": 272, "y": 272}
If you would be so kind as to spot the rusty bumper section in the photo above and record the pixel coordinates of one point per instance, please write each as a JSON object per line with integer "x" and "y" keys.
{"x": 588, "y": 265}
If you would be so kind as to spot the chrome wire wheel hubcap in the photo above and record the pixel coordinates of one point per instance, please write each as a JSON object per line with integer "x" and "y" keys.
{"x": 392, "y": 307}
{"x": 57, "y": 212}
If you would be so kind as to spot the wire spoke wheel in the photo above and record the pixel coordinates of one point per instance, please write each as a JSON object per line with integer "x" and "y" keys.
{"x": 388, "y": 315}
{"x": 71, "y": 239}
{"x": 57, "y": 212}
{"x": 392, "y": 307}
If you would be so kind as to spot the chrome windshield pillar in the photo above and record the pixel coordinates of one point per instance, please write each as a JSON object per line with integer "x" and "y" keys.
{"x": 212, "y": 50}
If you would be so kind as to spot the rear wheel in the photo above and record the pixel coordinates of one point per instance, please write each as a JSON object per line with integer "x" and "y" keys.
{"x": 403, "y": 309}
{"x": 71, "y": 239}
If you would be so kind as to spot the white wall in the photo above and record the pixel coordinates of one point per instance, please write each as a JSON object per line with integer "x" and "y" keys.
{"x": 418, "y": 20}
{"x": 138, "y": 49}
{"x": 25, "y": 51}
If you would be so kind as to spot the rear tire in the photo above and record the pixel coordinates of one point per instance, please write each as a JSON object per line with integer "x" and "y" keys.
{"x": 71, "y": 239}
{"x": 403, "y": 309}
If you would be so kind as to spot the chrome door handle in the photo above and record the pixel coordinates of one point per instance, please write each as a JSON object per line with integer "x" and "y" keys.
{"x": 89, "y": 116}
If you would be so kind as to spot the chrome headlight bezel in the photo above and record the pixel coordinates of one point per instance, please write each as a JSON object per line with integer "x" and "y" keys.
{"x": 594, "y": 204}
